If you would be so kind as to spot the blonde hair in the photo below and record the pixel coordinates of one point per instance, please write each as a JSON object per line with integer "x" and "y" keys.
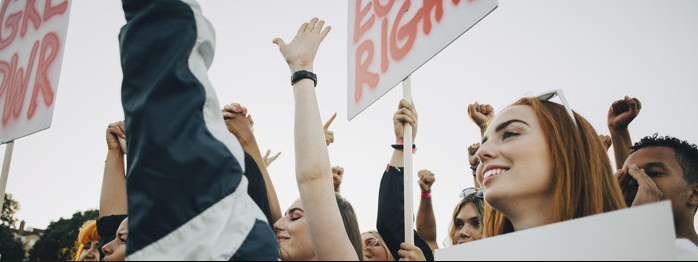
{"x": 583, "y": 175}
{"x": 88, "y": 233}
{"x": 380, "y": 239}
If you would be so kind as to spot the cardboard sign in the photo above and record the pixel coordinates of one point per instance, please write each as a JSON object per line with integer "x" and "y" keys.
{"x": 639, "y": 233}
{"x": 390, "y": 39}
{"x": 32, "y": 37}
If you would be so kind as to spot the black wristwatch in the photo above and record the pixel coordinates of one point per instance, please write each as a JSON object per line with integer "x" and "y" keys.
{"x": 303, "y": 74}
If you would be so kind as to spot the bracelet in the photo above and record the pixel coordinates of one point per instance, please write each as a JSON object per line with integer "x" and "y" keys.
{"x": 303, "y": 74}
{"x": 426, "y": 195}
{"x": 401, "y": 146}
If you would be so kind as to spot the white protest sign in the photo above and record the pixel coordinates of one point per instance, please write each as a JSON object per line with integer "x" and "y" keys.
{"x": 32, "y": 39}
{"x": 390, "y": 39}
{"x": 639, "y": 233}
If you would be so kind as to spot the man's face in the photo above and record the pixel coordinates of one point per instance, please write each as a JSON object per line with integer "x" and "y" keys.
{"x": 660, "y": 164}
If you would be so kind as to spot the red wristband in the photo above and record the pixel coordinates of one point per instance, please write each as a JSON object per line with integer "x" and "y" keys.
{"x": 426, "y": 195}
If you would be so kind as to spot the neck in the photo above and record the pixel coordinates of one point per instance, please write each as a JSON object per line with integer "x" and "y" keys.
{"x": 685, "y": 228}
{"x": 529, "y": 214}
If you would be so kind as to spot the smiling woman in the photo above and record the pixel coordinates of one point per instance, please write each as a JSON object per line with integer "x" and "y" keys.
{"x": 538, "y": 167}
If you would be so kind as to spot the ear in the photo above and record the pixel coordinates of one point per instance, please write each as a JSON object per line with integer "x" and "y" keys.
{"x": 693, "y": 195}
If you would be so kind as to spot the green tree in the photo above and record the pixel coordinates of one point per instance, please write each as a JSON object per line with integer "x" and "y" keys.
{"x": 11, "y": 248}
{"x": 9, "y": 208}
{"x": 58, "y": 242}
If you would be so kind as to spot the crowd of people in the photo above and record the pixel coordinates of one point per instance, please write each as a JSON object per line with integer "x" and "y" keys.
{"x": 200, "y": 189}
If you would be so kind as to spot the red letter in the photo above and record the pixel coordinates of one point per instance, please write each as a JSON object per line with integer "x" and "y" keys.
{"x": 42, "y": 79}
{"x": 428, "y": 5}
{"x": 363, "y": 76}
{"x": 360, "y": 30}
{"x": 50, "y": 11}
{"x": 408, "y": 31}
{"x": 385, "y": 63}
{"x": 7, "y": 85}
{"x": 21, "y": 81}
{"x": 30, "y": 13}
{"x": 12, "y": 22}
{"x": 383, "y": 10}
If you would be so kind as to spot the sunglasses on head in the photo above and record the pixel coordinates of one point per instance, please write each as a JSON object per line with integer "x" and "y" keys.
{"x": 371, "y": 242}
{"x": 552, "y": 94}
{"x": 471, "y": 190}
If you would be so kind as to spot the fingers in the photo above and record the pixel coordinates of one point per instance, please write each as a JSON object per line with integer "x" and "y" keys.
{"x": 116, "y": 130}
{"x": 275, "y": 157}
{"x": 488, "y": 110}
{"x": 642, "y": 178}
{"x": 311, "y": 25}
{"x": 329, "y": 122}
{"x": 249, "y": 118}
{"x": 325, "y": 33}
{"x": 303, "y": 27}
{"x": 318, "y": 27}
{"x": 267, "y": 154}
{"x": 633, "y": 105}
{"x": 280, "y": 42}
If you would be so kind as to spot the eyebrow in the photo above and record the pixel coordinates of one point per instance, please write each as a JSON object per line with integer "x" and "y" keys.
{"x": 294, "y": 210}
{"x": 504, "y": 125}
{"x": 120, "y": 235}
{"x": 657, "y": 164}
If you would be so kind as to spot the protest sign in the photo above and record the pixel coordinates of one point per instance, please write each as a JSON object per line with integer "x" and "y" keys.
{"x": 32, "y": 40}
{"x": 388, "y": 40}
{"x": 639, "y": 233}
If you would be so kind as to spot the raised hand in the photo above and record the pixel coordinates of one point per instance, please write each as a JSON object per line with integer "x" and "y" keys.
{"x": 481, "y": 115}
{"x": 406, "y": 113}
{"x": 300, "y": 53}
{"x": 329, "y": 135}
{"x": 622, "y": 112}
{"x": 410, "y": 253}
{"x": 337, "y": 176}
{"x": 426, "y": 180}
{"x": 116, "y": 137}
{"x": 238, "y": 124}
{"x": 606, "y": 140}
{"x": 268, "y": 160}
{"x": 472, "y": 155}
{"x": 638, "y": 188}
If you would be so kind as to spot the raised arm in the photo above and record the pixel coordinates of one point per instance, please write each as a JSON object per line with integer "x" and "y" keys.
{"x": 239, "y": 124}
{"x": 113, "y": 200}
{"x": 481, "y": 115}
{"x": 621, "y": 113}
{"x": 426, "y": 221}
{"x": 313, "y": 172}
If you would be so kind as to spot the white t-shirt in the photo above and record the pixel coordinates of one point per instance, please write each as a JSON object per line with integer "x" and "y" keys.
{"x": 686, "y": 250}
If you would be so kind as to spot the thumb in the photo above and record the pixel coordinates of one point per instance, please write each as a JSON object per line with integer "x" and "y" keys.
{"x": 280, "y": 42}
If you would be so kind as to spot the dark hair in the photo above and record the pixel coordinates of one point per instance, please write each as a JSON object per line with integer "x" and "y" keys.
{"x": 469, "y": 199}
{"x": 351, "y": 225}
{"x": 686, "y": 153}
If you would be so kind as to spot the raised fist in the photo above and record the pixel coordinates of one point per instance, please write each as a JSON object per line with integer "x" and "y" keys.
{"x": 337, "y": 176}
{"x": 481, "y": 114}
{"x": 426, "y": 180}
{"x": 622, "y": 112}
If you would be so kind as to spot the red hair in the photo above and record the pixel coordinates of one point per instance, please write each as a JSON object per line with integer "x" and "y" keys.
{"x": 88, "y": 233}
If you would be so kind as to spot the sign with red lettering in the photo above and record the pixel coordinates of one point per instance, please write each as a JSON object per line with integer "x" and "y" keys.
{"x": 32, "y": 36}
{"x": 390, "y": 39}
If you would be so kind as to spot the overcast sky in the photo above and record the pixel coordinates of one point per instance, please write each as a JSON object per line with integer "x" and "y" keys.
{"x": 597, "y": 51}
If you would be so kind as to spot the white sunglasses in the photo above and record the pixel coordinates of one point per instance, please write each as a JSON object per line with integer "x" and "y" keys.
{"x": 552, "y": 94}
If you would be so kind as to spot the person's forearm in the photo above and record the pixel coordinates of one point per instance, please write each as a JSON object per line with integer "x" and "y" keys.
{"x": 621, "y": 145}
{"x": 252, "y": 148}
{"x": 426, "y": 222}
{"x": 314, "y": 177}
{"x": 113, "y": 199}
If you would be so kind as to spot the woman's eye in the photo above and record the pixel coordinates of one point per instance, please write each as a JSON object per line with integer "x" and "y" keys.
{"x": 476, "y": 224}
{"x": 509, "y": 134}
{"x": 295, "y": 216}
{"x": 123, "y": 241}
{"x": 459, "y": 225}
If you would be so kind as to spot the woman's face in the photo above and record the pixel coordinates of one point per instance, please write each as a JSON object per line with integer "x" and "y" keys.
{"x": 116, "y": 249}
{"x": 293, "y": 235}
{"x": 90, "y": 251}
{"x": 515, "y": 162}
{"x": 467, "y": 225}
{"x": 374, "y": 248}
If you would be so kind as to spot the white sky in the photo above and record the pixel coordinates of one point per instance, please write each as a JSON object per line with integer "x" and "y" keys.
{"x": 596, "y": 51}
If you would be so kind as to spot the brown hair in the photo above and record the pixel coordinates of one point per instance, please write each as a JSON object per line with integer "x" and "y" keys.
{"x": 583, "y": 175}
{"x": 351, "y": 225}
{"x": 469, "y": 199}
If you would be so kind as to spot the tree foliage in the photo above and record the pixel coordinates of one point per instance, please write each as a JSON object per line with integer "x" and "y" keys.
{"x": 58, "y": 242}
{"x": 9, "y": 208}
{"x": 11, "y": 248}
